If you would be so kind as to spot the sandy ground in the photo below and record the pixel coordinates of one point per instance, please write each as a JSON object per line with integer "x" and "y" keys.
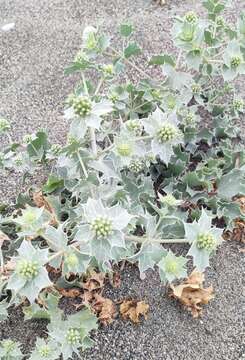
{"x": 33, "y": 88}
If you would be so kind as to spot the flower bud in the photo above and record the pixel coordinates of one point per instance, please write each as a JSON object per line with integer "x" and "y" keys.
{"x": 235, "y": 61}
{"x": 44, "y": 351}
{"x": 191, "y": 17}
{"x": 238, "y": 105}
{"x": 124, "y": 149}
{"x": 167, "y": 133}
{"x": 27, "y": 269}
{"x": 102, "y": 226}
{"x": 137, "y": 165}
{"x": 73, "y": 337}
{"x": 205, "y": 241}
{"x": 82, "y": 106}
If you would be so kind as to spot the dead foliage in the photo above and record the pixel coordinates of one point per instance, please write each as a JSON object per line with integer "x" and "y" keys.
{"x": 133, "y": 310}
{"x": 191, "y": 293}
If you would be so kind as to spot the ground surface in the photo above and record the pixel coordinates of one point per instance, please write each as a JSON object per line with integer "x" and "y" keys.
{"x": 33, "y": 55}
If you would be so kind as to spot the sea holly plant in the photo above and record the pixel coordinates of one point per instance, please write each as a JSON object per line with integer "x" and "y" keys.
{"x": 146, "y": 163}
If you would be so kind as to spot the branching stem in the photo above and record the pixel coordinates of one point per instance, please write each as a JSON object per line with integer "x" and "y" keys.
{"x": 142, "y": 239}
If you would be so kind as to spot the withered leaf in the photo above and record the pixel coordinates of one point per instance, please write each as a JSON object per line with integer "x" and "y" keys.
{"x": 40, "y": 201}
{"x": 192, "y": 294}
{"x": 133, "y": 309}
{"x": 95, "y": 281}
{"x": 71, "y": 293}
{"x": 104, "y": 308}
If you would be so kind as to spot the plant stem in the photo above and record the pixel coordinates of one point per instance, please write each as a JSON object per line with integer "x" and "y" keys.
{"x": 82, "y": 165}
{"x": 92, "y": 132}
{"x": 142, "y": 72}
{"x": 99, "y": 86}
{"x": 59, "y": 253}
{"x": 178, "y": 60}
{"x": 141, "y": 239}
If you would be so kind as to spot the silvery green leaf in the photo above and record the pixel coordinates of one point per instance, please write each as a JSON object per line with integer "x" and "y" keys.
{"x": 106, "y": 166}
{"x": 147, "y": 257}
{"x": 101, "y": 249}
{"x": 102, "y": 108}
{"x": 56, "y": 238}
{"x": 232, "y": 184}
{"x": 34, "y": 311}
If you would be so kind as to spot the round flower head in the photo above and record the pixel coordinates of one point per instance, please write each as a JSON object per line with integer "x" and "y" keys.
{"x": 103, "y": 228}
{"x": 134, "y": 126}
{"x": 191, "y": 17}
{"x": 137, "y": 165}
{"x": 73, "y": 337}
{"x": 30, "y": 276}
{"x": 238, "y": 105}
{"x": 234, "y": 62}
{"x": 204, "y": 239}
{"x": 165, "y": 133}
{"x": 126, "y": 148}
{"x": 45, "y": 350}
{"x": 10, "y": 350}
{"x": 89, "y": 38}
{"x": 172, "y": 267}
{"x": 108, "y": 70}
{"x": 82, "y": 106}
{"x": 169, "y": 200}
{"x": 84, "y": 114}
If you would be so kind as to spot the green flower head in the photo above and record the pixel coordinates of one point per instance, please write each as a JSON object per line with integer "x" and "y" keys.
{"x": 204, "y": 240}
{"x": 102, "y": 226}
{"x": 10, "y": 350}
{"x": 137, "y": 165}
{"x": 238, "y": 105}
{"x": 233, "y": 60}
{"x": 169, "y": 200}
{"x": 45, "y": 350}
{"x": 30, "y": 276}
{"x": 191, "y": 17}
{"x": 172, "y": 267}
{"x": 108, "y": 70}
{"x": 165, "y": 133}
{"x": 82, "y": 106}
{"x": 85, "y": 114}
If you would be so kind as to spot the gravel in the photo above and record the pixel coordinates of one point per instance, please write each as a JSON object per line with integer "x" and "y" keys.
{"x": 33, "y": 55}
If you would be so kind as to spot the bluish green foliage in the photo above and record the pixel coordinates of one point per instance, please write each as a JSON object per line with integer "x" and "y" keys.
{"x": 140, "y": 164}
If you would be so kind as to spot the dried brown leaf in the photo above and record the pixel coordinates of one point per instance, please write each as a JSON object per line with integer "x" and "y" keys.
{"x": 95, "y": 281}
{"x": 133, "y": 309}
{"x": 116, "y": 282}
{"x": 104, "y": 308}
{"x": 71, "y": 293}
{"x": 192, "y": 294}
{"x": 40, "y": 201}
